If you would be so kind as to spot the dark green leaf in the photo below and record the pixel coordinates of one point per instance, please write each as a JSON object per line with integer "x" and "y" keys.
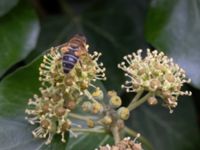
{"x": 18, "y": 35}
{"x": 88, "y": 141}
{"x": 17, "y": 88}
{"x": 15, "y": 91}
{"x": 173, "y": 26}
{"x": 6, "y": 6}
{"x": 177, "y": 131}
{"x": 15, "y": 135}
{"x": 55, "y": 144}
{"x": 116, "y": 33}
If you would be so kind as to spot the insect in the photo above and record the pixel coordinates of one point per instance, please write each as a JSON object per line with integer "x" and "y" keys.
{"x": 71, "y": 51}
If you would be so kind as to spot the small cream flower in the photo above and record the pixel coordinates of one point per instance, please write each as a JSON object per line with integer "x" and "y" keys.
{"x": 125, "y": 144}
{"x": 155, "y": 73}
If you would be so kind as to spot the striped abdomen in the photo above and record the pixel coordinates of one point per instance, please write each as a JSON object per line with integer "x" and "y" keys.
{"x": 69, "y": 60}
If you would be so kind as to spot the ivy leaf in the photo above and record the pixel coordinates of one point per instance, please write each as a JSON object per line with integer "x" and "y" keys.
{"x": 6, "y": 6}
{"x": 15, "y": 134}
{"x": 116, "y": 33}
{"x": 89, "y": 141}
{"x": 17, "y": 88}
{"x": 14, "y": 93}
{"x": 177, "y": 131}
{"x": 18, "y": 35}
{"x": 173, "y": 26}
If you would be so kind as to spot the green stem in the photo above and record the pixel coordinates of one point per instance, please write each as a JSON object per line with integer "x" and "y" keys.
{"x": 141, "y": 138}
{"x": 87, "y": 93}
{"x": 137, "y": 96}
{"x": 88, "y": 130}
{"x": 76, "y": 116}
{"x": 139, "y": 102}
{"x": 116, "y": 134}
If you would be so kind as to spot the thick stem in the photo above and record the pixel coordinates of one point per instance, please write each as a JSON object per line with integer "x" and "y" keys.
{"x": 139, "y": 102}
{"x": 116, "y": 134}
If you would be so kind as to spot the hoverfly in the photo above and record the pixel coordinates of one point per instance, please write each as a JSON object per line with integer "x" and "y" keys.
{"x": 71, "y": 51}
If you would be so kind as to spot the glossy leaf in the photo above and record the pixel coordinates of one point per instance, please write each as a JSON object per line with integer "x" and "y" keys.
{"x": 89, "y": 141}
{"x": 115, "y": 33}
{"x": 15, "y": 135}
{"x": 17, "y": 88}
{"x": 15, "y": 91}
{"x": 173, "y": 26}
{"x": 6, "y": 6}
{"x": 18, "y": 35}
{"x": 176, "y": 131}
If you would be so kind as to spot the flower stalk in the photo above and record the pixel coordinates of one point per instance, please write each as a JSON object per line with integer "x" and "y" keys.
{"x": 116, "y": 134}
{"x": 134, "y": 104}
{"x": 137, "y": 96}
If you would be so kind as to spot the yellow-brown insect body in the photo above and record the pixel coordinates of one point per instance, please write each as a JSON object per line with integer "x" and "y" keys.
{"x": 71, "y": 51}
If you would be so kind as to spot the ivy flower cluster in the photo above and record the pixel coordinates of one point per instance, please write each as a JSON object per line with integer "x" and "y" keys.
{"x": 60, "y": 93}
{"x": 79, "y": 78}
{"x": 155, "y": 73}
{"x": 109, "y": 114}
{"x": 125, "y": 144}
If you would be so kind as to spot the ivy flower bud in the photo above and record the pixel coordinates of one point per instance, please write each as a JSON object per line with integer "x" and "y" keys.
{"x": 66, "y": 125}
{"x": 45, "y": 124}
{"x": 60, "y": 111}
{"x": 123, "y": 113}
{"x": 115, "y": 101}
{"x": 87, "y": 106}
{"x": 70, "y": 104}
{"x": 96, "y": 108}
{"x": 45, "y": 108}
{"x": 107, "y": 120}
{"x": 98, "y": 94}
{"x": 112, "y": 93}
{"x": 152, "y": 101}
{"x": 90, "y": 123}
{"x": 154, "y": 84}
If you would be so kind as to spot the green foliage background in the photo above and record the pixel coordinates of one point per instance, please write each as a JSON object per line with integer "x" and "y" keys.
{"x": 115, "y": 28}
